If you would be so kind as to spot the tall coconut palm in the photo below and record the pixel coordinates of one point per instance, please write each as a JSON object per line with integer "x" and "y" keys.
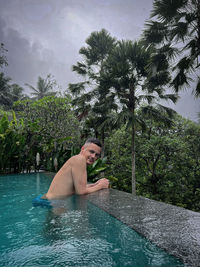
{"x": 88, "y": 95}
{"x": 44, "y": 87}
{"x": 126, "y": 73}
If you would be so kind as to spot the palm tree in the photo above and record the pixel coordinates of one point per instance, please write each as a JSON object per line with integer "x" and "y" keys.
{"x": 17, "y": 92}
{"x": 5, "y": 94}
{"x": 89, "y": 97}
{"x": 116, "y": 76}
{"x": 3, "y": 59}
{"x": 44, "y": 87}
{"x": 175, "y": 26}
{"x": 126, "y": 73}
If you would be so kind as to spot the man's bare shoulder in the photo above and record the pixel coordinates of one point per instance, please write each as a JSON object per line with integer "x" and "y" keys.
{"x": 78, "y": 159}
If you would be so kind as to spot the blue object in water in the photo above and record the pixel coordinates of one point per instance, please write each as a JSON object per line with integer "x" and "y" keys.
{"x": 38, "y": 201}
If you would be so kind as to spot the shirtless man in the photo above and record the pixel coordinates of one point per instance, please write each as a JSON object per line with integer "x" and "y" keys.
{"x": 72, "y": 177}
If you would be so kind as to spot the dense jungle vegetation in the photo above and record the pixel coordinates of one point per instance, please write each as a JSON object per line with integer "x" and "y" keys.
{"x": 149, "y": 149}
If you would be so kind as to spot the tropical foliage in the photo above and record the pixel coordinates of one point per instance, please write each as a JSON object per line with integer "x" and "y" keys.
{"x": 96, "y": 168}
{"x": 53, "y": 117}
{"x": 53, "y": 122}
{"x": 174, "y": 31}
{"x": 46, "y": 126}
{"x": 12, "y": 144}
{"x": 9, "y": 93}
{"x": 168, "y": 161}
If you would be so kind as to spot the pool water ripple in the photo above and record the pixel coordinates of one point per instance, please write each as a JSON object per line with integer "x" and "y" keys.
{"x": 73, "y": 233}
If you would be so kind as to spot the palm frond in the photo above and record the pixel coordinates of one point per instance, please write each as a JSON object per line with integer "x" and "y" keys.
{"x": 31, "y": 87}
{"x": 197, "y": 89}
{"x": 149, "y": 98}
{"x": 77, "y": 88}
{"x": 167, "y": 10}
{"x": 180, "y": 80}
{"x": 169, "y": 111}
{"x": 192, "y": 45}
{"x": 173, "y": 97}
{"x": 159, "y": 113}
{"x": 179, "y": 31}
{"x": 184, "y": 64}
{"x": 170, "y": 52}
{"x": 160, "y": 79}
{"x": 154, "y": 32}
{"x": 80, "y": 68}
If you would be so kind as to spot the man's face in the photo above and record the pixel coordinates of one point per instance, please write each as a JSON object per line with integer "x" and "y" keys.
{"x": 91, "y": 152}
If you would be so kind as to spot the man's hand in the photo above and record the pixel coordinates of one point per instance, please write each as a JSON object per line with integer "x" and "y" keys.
{"x": 103, "y": 182}
{"x": 100, "y": 182}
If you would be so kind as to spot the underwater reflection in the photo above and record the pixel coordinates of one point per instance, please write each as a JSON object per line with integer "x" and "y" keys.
{"x": 82, "y": 232}
{"x": 67, "y": 219}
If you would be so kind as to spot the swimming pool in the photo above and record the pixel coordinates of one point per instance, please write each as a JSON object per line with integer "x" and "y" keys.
{"x": 74, "y": 233}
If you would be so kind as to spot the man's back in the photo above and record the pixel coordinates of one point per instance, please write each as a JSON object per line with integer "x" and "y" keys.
{"x": 72, "y": 177}
{"x": 63, "y": 184}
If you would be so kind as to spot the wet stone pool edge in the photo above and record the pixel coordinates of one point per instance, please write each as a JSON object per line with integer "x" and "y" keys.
{"x": 174, "y": 229}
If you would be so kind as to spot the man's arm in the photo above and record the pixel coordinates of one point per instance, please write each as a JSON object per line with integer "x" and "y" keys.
{"x": 93, "y": 184}
{"x": 79, "y": 174}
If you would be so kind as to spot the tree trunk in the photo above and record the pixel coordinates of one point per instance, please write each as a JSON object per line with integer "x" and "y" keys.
{"x": 102, "y": 140}
{"x": 102, "y": 174}
{"x": 132, "y": 110}
{"x": 133, "y": 159}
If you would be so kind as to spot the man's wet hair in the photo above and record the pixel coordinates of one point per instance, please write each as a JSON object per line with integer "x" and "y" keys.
{"x": 93, "y": 141}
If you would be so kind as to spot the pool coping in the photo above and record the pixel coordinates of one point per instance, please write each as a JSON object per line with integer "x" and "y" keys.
{"x": 174, "y": 229}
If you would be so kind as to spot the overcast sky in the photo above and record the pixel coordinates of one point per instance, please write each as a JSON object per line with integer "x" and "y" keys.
{"x": 44, "y": 36}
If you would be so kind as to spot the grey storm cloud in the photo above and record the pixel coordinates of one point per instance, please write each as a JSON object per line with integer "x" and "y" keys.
{"x": 27, "y": 60}
{"x": 44, "y": 36}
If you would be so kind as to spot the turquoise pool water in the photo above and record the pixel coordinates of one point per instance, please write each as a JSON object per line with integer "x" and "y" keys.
{"x": 73, "y": 233}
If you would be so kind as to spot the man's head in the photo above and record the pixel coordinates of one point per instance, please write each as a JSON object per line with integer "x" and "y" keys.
{"x": 91, "y": 150}
{"x": 93, "y": 141}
